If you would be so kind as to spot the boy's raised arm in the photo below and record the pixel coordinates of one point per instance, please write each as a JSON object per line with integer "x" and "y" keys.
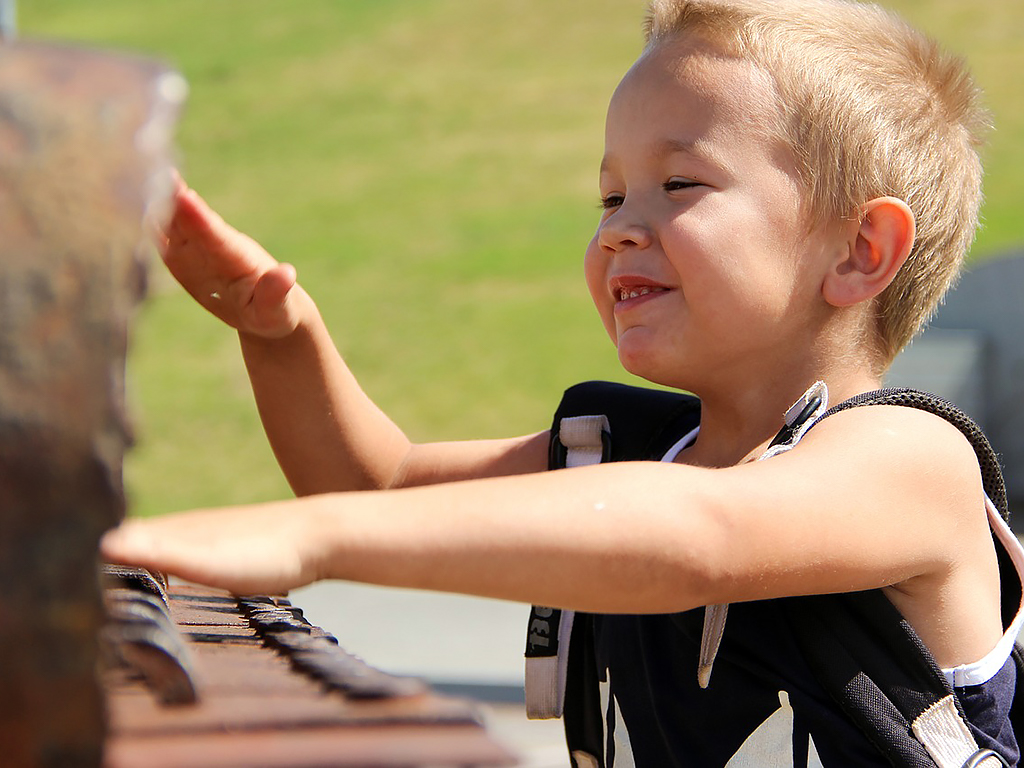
{"x": 326, "y": 433}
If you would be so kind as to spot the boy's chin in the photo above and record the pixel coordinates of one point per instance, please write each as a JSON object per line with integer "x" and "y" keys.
{"x": 647, "y": 367}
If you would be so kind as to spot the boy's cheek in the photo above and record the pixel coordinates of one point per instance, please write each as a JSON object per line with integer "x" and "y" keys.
{"x": 606, "y": 309}
{"x": 608, "y": 320}
{"x": 613, "y": 332}
{"x": 595, "y": 269}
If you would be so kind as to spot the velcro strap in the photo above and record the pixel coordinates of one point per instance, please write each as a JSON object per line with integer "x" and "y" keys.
{"x": 582, "y": 438}
{"x": 945, "y": 736}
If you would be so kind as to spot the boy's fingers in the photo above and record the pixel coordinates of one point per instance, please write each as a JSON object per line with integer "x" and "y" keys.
{"x": 275, "y": 284}
{"x": 199, "y": 232}
{"x": 210, "y": 547}
{"x": 195, "y": 220}
{"x": 160, "y": 208}
{"x": 271, "y": 312}
{"x": 210, "y": 258}
{"x": 174, "y": 544}
{"x": 272, "y": 288}
{"x": 226, "y": 271}
{"x": 130, "y": 543}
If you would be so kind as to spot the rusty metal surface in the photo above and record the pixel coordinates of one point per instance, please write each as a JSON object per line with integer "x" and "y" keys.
{"x": 258, "y": 706}
{"x": 80, "y": 137}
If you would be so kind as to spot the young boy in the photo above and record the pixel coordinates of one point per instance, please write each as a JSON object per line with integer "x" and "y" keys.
{"x": 788, "y": 189}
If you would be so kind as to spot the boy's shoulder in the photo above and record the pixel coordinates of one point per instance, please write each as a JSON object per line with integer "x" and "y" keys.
{"x": 935, "y": 428}
{"x": 933, "y": 458}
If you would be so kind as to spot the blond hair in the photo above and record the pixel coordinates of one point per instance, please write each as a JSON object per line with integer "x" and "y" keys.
{"x": 870, "y": 107}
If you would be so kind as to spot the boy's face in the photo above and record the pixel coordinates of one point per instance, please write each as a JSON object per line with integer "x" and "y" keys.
{"x": 702, "y": 260}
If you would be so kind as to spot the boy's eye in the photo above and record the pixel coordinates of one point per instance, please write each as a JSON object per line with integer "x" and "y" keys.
{"x": 611, "y": 201}
{"x": 676, "y": 183}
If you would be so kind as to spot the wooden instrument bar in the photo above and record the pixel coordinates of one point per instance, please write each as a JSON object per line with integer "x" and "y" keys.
{"x": 196, "y": 677}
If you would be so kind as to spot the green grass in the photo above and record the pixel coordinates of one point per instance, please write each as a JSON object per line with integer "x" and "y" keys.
{"x": 430, "y": 167}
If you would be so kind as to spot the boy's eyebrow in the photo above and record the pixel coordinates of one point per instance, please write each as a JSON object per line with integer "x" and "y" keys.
{"x": 695, "y": 149}
{"x": 675, "y": 146}
{"x": 699, "y": 149}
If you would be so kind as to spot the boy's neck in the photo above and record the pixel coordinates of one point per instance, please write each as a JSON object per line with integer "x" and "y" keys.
{"x": 738, "y": 425}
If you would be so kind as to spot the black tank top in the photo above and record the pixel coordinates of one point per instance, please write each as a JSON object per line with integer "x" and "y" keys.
{"x": 762, "y": 696}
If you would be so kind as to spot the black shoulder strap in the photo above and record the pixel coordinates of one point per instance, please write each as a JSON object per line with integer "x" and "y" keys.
{"x": 873, "y": 665}
{"x": 1017, "y": 707}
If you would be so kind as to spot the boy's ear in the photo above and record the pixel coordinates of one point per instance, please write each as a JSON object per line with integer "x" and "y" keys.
{"x": 875, "y": 251}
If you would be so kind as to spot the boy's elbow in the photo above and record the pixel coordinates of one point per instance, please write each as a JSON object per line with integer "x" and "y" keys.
{"x": 338, "y": 481}
{"x": 691, "y": 565}
{"x": 705, "y": 567}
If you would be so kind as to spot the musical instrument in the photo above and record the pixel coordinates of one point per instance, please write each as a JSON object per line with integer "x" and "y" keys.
{"x": 197, "y": 677}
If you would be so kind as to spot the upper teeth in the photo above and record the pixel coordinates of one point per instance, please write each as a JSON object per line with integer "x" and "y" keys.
{"x": 632, "y": 293}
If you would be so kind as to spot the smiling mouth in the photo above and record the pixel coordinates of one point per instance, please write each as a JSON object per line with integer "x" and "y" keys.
{"x": 632, "y": 293}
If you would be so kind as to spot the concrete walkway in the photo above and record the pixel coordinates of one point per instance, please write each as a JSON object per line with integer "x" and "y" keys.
{"x": 465, "y": 646}
{"x": 444, "y": 638}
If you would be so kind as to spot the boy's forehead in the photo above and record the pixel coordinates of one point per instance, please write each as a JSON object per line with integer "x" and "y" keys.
{"x": 735, "y": 88}
{"x": 697, "y": 93}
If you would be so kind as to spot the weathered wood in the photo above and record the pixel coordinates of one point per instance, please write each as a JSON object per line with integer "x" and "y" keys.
{"x": 82, "y": 138}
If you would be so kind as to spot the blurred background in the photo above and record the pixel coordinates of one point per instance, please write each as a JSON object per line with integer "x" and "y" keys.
{"x": 430, "y": 167}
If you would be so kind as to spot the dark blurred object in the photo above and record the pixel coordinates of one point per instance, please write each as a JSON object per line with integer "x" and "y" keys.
{"x": 114, "y": 666}
{"x": 84, "y": 140}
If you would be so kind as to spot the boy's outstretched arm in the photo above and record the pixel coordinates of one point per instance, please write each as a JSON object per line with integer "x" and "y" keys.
{"x": 869, "y": 499}
{"x": 326, "y": 433}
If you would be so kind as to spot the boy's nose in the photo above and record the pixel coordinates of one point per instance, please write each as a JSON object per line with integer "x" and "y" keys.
{"x": 623, "y": 230}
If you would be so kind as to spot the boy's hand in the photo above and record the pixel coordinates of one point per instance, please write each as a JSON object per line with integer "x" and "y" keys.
{"x": 228, "y": 272}
{"x": 265, "y": 549}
